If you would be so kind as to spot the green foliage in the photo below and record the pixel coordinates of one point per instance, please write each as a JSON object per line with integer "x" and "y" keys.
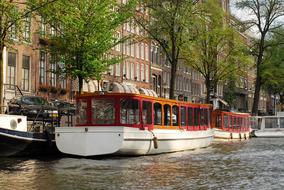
{"x": 265, "y": 17}
{"x": 217, "y": 51}
{"x": 273, "y": 67}
{"x": 86, "y": 33}
{"x": 230, "y": 91}
{"x": 10, "y": 16}
{"x": 170, "y": 28}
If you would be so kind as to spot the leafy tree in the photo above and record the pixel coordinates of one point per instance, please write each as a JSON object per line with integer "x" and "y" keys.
{"x": 264, "y": 17}
{"x": 11, "y": 16}
{"x": 273, "y": 67}
{"x": 170, "y": 27}
{"x": 217, "y": 51}
{"x": 86, "y": 33}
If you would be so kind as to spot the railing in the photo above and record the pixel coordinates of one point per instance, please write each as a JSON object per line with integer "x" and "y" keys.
{"x": 12, "y": 87}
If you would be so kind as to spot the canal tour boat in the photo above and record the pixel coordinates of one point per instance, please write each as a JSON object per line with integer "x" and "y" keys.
{"x": 134, "y": 124}
{"x": 20, "y": 137}
{"x": 230, "y": 125}
{"x": 268, "y": 126}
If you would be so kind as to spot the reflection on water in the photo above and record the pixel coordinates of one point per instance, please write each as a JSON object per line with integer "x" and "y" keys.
{"x": 254, "y": 164}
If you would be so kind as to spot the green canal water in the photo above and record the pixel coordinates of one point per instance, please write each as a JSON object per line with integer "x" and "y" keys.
{"x": 255, "y": 164}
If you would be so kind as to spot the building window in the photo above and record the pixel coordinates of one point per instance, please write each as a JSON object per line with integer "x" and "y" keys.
{"x": 157, "y": 54}
{"x": 52, "y": 30}
{"x": 147, "y": 73}
{"x": 143, "y": 73}
{"x": 13, "y": 32}
{"x": 118, "y": 46}
{"x": 128, "y": 70}
{"x": 42, "y": 68}
{"x": 11, "y": 75}
{"x": 125, "y": 69}
{"x": 117, "y": 69}
{"x": 132, "y": 71}
{"x": 42, "y": 27}
{"x": 27, "y": 28}
{"x": 53, "y": 77}
{"x": 146, "y": 52}
{"x": 138, "y": 71}
{"x": 142, "y": 51}
{"x": 26, "y": 73}
{"x": 152, "y": 54}
{"x": 132, "y": 48}
{"x": 137, "y": 50}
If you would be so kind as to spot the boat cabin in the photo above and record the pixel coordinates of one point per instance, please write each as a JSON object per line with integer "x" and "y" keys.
{"x": 140, "y": 111}
{"x": 230, "y": 121}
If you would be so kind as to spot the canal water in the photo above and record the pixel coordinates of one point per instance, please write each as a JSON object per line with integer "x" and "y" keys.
{"x": 254, "y": 164}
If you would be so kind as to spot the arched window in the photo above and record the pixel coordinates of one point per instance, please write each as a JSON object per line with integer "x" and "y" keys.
{"x": 167, "y": 115}
{"x": 175, "y": 116}
{"x": 147, "y": 112}
{"x": 157, "y": 114}
{"x": 183, "y": 116}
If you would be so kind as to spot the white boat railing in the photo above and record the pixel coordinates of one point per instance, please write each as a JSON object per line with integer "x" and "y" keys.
{"x": 267, "y": 122}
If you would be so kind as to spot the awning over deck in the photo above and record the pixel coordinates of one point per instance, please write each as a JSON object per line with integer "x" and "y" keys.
{"x": 123, "y": 88}
{"x": 148, "y": 92}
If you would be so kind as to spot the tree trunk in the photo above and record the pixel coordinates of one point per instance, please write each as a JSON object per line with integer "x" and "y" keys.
{"x": 80, "y": 84}
{"x": 1, "y": 80}
{"x": 254, "y": 110}
{"x": 208, "y": 90}
{"x": 173, "y": 79}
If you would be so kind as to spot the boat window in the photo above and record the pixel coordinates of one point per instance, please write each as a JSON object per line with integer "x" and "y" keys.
{"x": 175, "y": 115}
{"x": 147, "y": 112}
{"x": 235, "y": 123}
{"x": 129, "y": 111}
{"x": 202, "y": 117}
{"x": 206, "y": 116}
{"x": 281, "y": 122}
{"x": 183, "y": 116}
{"x": 81, "y": 116}
{"x": 270, "y": 122}
{"x": 167, "y": 114}
{"x": 226, "y": 121}
{"x": 103, "y": 111}
{"x": 157, "y": 114}
{"x": 190, "y": 116}
{"x": 196, "y": 116}
{"x": 219, "y": 121}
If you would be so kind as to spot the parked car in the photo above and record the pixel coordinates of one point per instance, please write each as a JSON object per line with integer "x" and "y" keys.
{"x": 34, "y": 107}
{"x": 64, "y": 108}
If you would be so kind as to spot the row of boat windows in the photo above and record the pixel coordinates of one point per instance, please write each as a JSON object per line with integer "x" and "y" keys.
{"x": 234, "y": 122}
{"x": 274, "y": 123}
{"x": 104, "y": 112}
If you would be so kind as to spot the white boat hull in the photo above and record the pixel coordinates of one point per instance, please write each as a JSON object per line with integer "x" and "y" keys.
{"x": 93, "y": 141}
{"x": 228, "y": 135}
{"x": 269, "y": 133}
